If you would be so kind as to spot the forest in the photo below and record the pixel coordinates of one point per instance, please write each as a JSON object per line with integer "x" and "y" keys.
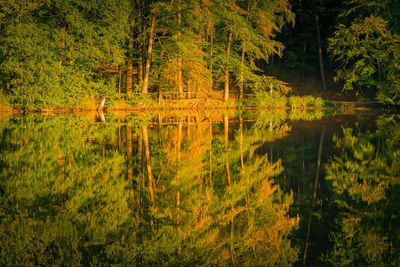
{"x": 68, "y": 53}
{"x": 199, "y": 133}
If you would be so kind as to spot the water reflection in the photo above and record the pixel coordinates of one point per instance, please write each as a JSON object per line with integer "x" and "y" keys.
{"x": 365, "y": 179}
{"x": 192, "y": 189}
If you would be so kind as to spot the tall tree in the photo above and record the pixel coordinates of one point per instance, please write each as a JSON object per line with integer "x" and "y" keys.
{"x": 53, "y": 51}
{"x": 367, "y": 46}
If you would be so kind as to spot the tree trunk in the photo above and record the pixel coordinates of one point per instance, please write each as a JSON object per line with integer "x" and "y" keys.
{"x": 101, "y": 104}
{"x": 130, "y": 61}
{"x": 101, "y": 116}
{"x": 210, "y": 153}
{"x": 228, "y": 51}
{"x": 241, "y": 89}
{"x": 140, "y": 71}
{"x": 129, "y": 151}
{"x": 119, "y": 78}
{"x": 211, "y": 60}
{"x": 141, "y": 43}
{"x": 321, "y": 142}
{"x": 241, "y": 76}
{"x": 179, "y": 142}
{"x": 321, "y": 63}
{"x": 179, "y": 155}
{"x": 180, "y": 85}
{"x": 148, "y": 165}
{"x": 145, "y": 88}
{"x": 226, "y": 136}
{"x": 241, "y": 141}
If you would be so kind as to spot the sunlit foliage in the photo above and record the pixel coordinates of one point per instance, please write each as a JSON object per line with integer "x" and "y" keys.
{"x": 130, "y": 192}
{"x": 63, "y": 197}
{"x": 369, "y": 53}
{"x": 50, "y": 50}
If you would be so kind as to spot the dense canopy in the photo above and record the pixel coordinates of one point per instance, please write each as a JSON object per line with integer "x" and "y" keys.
{"x": 71, "y": 52}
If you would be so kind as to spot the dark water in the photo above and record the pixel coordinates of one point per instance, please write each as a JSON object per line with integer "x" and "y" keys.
{"x": 259, "y": 188}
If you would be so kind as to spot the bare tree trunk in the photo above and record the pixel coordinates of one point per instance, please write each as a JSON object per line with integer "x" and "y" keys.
{"x": 145, "y": 88}
{"x": 101, "y": 104}
{"x": 226, "y": 136}
{"x": 119, "y": 78}
{"x": 101, "y": 116}
{"x": 130, "y": 61}
{"x": 211, "y": 59}
{"x": 241, "y": 76}
{"x": 179, "y": 155}
{"x": 140, "y": 71}
{"x": 148, "y": 165}
{"x": 228, "y": 51}
{"x": 232, "y": 239}
{"x": 321, "y": 63}
{"x": 241, "y": 89}
{"x": 210, "y": 153}
{"x": 129, "y": 156}
{"x": 241, "y": 141}
{"x": 321, "y": 142}
{"x": 180, "y": 85}
{"x": 141, "y": 43}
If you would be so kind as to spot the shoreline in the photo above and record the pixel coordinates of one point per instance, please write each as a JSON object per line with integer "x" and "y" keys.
{"x": 198, "y": 104}
{"x": 337, "y": 105}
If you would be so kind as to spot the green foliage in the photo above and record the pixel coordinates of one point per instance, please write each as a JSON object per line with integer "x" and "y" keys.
{"x": 369, "y": 54}
{"x": 140, "y": 100}
{"x": 4, "y": 102}
{"x": 277, "y": 100}
{"x": 297, "y": 101}
{"x": 50, "y": 50}
{"x": 314, "y": 101}
{"x": 301, "y": 114}
{"x": 78, "y": 193}
{"x": 266, "y": 99}
{"x": 305, "y": 101}
{"x": 63, "y": 198}
{"x": 365, "y": 180}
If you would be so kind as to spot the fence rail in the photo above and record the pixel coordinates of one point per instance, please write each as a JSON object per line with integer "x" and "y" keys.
{"x": 176, "y": 95}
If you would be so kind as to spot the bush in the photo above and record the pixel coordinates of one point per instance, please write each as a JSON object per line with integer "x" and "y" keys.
{"x": 266, "y": 99}
{"x": 305, "y": 101}
{"x": 297, "y": 101}
{"x": 3, "y": 100}
{"x": 140, "y": 100}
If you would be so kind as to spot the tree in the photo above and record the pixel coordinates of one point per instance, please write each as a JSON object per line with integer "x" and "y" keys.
{"x": 51, "y": 51}
{"x": 367, "y": 46}
{"x": 65, "y": 194}
{"x": 365, "y": 180}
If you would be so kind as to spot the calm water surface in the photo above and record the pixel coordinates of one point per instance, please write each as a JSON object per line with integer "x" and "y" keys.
{"x": 259, "y": 188}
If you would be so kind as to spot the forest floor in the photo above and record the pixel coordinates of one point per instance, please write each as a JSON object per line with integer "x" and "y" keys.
{"x": 303, "y": 83}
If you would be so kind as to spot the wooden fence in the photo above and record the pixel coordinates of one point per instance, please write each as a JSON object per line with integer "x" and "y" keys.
{"x": 175, "y": 95}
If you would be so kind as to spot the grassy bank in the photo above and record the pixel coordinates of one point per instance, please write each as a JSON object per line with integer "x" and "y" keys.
{"x": 137, "y": 102}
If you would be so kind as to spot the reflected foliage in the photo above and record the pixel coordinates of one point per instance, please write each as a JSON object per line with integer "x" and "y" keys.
{"x": 62, "y": 195}
{"x": 203, "y": 189}
{"x": 136, "y": 192}
{"x": 365, "y": 180}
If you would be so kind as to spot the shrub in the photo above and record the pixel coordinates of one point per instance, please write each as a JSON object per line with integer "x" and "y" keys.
{"x": 266, "y": 99}
{"x": 140, "y": 100}
{"x": 297, "y": 101}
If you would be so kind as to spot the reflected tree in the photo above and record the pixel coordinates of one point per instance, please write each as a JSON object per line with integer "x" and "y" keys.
{"x": 365, "y": 180}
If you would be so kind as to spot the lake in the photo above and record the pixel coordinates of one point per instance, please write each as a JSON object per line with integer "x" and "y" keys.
{"x": 255, "y": 188}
